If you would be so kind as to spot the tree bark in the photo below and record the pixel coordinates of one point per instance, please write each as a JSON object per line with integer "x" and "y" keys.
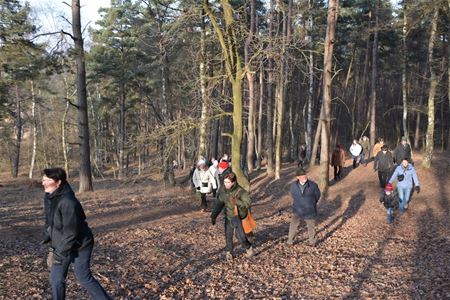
{"x": 373, "y": 93}
{"x": 251, "y": 89}
{"x": 34, "y": 130}
{"x": 327, "y": 93}
{"x": 19, "y": 124}
{"x": 429, "y": 142}
{"x": 235, "y": 74}
{"x": 404, "y": 66}
{"x": 269, "y": 127}
{"x": 260, "y": 116}
{"x": 203, "y": 90}
{"x": 83, "y": 121}
{"x": 309, "y": 122}
{"x": 63, "y": 138}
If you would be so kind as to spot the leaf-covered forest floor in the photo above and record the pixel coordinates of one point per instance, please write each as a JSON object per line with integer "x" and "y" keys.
{"x": 153, "y": 242}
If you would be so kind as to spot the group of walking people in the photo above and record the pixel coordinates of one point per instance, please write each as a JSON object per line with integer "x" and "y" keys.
{"x": 71, "y": 240}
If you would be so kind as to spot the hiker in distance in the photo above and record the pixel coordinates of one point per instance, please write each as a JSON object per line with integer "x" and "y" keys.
{"x": 407, "y": 179}
{"x": 235, "y": 202}
{"x": 68, "y": 235}
{"x": 365, "y": 153}
{"x": 204, "y": 183}
{"x": 337, "y": 161}
{"x": 384, "y": 164}
{"x": 305, "y": 194}
{"x": 403, "y": 150}
{"x": 355, "y": 151}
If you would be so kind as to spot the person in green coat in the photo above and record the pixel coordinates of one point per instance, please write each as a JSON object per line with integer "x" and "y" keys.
{"x": 235, "y": 202}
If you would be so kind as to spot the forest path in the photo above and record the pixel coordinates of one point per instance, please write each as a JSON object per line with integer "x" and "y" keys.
{"x": 154, "y": 243}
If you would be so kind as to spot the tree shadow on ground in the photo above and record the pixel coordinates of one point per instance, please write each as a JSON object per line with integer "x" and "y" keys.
{"x": 354, "y": 204}
{"x": 345, "y": 172}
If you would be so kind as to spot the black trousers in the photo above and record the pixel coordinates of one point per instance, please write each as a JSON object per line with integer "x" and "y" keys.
{"x": 235, "y": 227}
{"x": 383, "y": 177}
{"x": 337, "y": 172}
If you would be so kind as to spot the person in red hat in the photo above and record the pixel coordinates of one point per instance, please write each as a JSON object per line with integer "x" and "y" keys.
{"x": 390, "y": 202}
{"x": 223, "y": 168}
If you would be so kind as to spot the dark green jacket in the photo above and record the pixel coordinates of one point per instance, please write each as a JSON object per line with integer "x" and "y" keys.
{"x": 224, "y": 203}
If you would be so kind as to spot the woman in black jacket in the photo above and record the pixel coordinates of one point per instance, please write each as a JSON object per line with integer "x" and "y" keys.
{"x": 70, "y": 238}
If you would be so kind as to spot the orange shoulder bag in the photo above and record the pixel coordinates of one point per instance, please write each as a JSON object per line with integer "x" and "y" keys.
{"x": 248, "y": 223}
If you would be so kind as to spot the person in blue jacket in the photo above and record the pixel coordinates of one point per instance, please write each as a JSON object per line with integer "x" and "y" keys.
{"x": 407, "y": 179}
{"x": 305, "y": 194}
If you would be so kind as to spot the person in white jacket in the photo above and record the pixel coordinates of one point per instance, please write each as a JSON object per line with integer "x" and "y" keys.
{"x": 214, "y": 171}
{"x": 355, "y": 150}
{"x": 204, "y": 183}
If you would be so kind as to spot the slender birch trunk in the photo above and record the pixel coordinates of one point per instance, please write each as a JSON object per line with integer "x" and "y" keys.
{"x": 429, "y": 142}
{"x": 34, "y": 130}
{"x": 373, "y": 94}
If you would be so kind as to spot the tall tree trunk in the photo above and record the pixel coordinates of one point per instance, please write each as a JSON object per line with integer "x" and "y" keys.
{"x": 203, "y": 90}
{"x": 235, "y": 74}
{"x": 309, "y": 122}
{"x": 429, "y": 142}
{"x": 34, "y": 130}
{"x": 404, "y": 66}
{"x": 18, "y": 142}
{"x": 373, "y": 93}
{"x": 260, "y": 116}
{"x": 417, "y": 132}
{"x": 63, "y": 138}
{"x": 251, "y": 89}
{"x": 325, "y": 116}
{"x": 83, "y": 121}
{"x": 362, "y": 98}
{"x": 270, "y": 93}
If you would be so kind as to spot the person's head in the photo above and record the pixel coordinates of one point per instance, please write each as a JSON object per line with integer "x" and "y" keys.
{"x": 301, "y": 175}
{"x": 201, "y": 164}
{"x": 224, "y": 157}
{"x": 222, "y": 166}
{"x": 388, "y": 189}
{"x": 338, "y": 146}
{"x": 215, "y": 163}
{"x": 404, "y": 140}
{"x": 384, "y": 148}
{"x": 381, "y": 141}
{"x": 405, "y": 162}
{"x": 355, "y": 142}
{"x": 53, "y": 178}
{"x": 229, "y": 180}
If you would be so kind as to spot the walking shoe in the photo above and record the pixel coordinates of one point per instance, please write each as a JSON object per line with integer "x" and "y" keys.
{"x": 228, "y": 256}
{"x": 249, "y": 252}
{"x": 406, "y": 205}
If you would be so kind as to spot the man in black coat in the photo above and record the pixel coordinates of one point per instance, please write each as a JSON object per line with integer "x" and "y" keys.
{"x": 403, "y": 150}
{"x": 305, "y": 194}
{"x": 384, "y": 164}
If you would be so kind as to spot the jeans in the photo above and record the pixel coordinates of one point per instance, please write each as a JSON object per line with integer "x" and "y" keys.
{"x": 293, "y": 227}
{"x": 81, "y": 266}
{"x": 403, "y": 197}
{"x": 390, "y": 215}
{"x": 235, "y": 226}
{"x": 363, "y": 158}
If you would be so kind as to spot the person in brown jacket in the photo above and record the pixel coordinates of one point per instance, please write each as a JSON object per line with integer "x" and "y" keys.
{"x": 338, "y": 161}
{"x": 377, "y": 147}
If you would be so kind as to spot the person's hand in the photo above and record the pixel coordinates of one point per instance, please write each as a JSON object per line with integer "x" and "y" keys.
{"x": 213, "y": 221}
{"x": 375, "y": 170}
{"x": 57, "y": 259}
{"x": 198, "y": 188}
{"x": 49, "y": 259}
{"x": 418, "y": 189}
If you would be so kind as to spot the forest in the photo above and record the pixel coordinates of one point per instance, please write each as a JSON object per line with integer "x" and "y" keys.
{"x": 128, "y": 106}
{"x": 164, "y": 81}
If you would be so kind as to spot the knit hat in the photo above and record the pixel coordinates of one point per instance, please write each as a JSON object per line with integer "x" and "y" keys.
{"x": 404, "y": 138}
{"x": 223, "y": 165}
{"x": 300, "y": 172}
{"x": 389, "y": 187}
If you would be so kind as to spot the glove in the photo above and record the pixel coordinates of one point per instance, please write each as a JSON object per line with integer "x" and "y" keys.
{"x": 418, "y": 189}
{"x": 49, "y": 259}
{"x": 198, "y": 188}
{"x": 213, "y": 221}
{"x": 46, "y": 240}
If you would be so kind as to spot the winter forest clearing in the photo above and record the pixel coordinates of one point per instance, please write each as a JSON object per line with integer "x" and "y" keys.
{"x": 332, "y": 114}
{"x": 153, "y": 243}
